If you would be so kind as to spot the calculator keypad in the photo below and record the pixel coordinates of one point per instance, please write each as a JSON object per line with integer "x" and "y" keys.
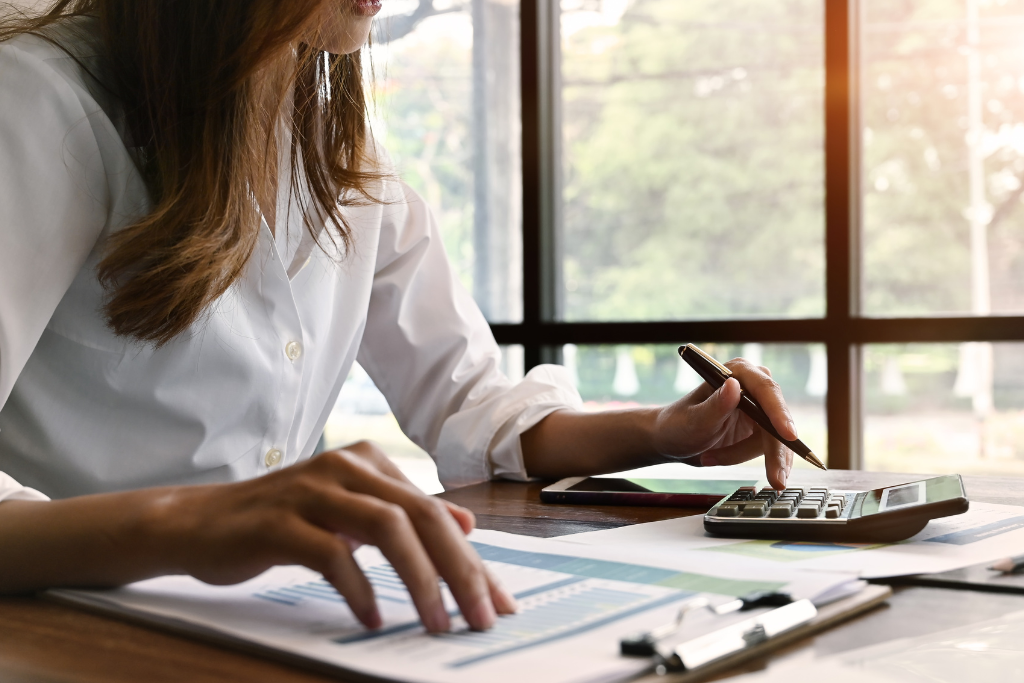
{"x": 801, "y": 503}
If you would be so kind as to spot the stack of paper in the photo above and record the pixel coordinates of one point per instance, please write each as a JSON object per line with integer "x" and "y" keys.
{"x": 575, "y": 601}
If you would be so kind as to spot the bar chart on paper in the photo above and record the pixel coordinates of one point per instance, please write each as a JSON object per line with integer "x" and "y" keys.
{"x": 559, "y": 596}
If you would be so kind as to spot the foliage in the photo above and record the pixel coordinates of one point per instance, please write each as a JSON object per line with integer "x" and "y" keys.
{"x": 694, "y": 165}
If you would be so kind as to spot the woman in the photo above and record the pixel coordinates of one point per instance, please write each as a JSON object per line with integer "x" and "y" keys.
{"x": 198, "y": 236}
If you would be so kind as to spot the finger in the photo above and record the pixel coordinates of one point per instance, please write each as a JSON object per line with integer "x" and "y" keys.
{"x": 768, "y": 394}
{"x": 464, "y": 517}
{"x": 503, "y": 601}
{"x": 324, "y": 553}
{"x": 378, "y": 522}
{"x": 733, "y": 454}
{"x": 776, "y": 462}
{"x": 443, "y": 540}
{"x": 378, "y": 458}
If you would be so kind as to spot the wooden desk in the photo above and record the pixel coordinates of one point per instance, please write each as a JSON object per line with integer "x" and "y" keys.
{"x": 42, "y": 642}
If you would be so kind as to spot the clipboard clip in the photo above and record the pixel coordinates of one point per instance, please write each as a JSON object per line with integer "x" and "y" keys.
{"x": 718, "y": 644}
{"x": 644, "y": 644}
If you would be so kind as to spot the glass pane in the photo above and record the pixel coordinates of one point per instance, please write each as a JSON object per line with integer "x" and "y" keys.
{"x": 693, "y": 159}
{"x": 944, "y": 408}
{"x": 943, "y": 157}
{"x": 447, "y": 97}
{"x": 362, "y": 412}
{"x": 611, "y": 377}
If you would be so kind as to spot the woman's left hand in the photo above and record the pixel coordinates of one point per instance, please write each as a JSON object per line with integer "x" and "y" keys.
{"x": 705, "y": 426}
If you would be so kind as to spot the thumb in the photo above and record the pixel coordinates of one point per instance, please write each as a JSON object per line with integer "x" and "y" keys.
{"x": 716, "y": 409}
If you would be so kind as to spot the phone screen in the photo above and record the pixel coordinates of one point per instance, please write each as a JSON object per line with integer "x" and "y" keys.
{"x": 701, "y": 487}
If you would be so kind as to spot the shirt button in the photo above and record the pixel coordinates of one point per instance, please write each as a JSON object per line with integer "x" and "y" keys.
{"x": 273, "y": 457}
{"x": 293, "y": 350}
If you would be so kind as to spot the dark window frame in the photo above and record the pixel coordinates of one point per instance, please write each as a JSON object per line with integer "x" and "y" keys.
{"x": 843, "y": 330}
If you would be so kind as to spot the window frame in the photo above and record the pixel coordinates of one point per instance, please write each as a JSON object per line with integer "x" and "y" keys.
{"x": 843, "y": 330}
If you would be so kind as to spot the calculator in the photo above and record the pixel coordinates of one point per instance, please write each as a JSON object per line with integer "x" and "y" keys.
{"x": 817, "y": 513}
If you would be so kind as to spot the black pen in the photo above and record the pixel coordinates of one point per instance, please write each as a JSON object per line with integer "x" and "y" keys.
{"x": 715, "y": 374}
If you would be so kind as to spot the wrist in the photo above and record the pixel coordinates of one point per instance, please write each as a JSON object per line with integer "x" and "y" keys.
{"x": 662, "y": 444}
{"x": 158, "y": 531}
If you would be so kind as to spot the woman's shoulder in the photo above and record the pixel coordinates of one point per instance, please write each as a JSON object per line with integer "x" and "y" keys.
{"x": 57, "y": 68}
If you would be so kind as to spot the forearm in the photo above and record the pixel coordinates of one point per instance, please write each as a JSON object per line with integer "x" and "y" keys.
{"x": 571, "y": 443}
{"x": 102, "y": 540}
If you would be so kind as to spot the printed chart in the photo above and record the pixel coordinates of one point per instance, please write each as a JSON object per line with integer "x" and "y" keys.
{"x": 575, "y": 595}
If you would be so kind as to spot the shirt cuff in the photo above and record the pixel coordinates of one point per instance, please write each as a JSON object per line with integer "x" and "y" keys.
{"x": 12, "y": 490}
{"x": 496, "y": 452}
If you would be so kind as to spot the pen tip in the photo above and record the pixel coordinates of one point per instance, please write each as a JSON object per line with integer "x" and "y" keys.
{"x": 813, "y": 459}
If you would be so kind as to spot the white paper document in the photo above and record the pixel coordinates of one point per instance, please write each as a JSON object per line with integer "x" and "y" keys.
{"x": 984, "y": 533}
{"x": 988, "y": 651}
{"x": 575, "y": 603}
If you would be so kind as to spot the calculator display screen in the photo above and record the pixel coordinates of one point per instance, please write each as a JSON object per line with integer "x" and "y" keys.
{"x": 910, "y": 495}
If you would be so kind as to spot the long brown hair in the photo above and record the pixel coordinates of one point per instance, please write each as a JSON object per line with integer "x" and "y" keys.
{"x": 194, "y": 78}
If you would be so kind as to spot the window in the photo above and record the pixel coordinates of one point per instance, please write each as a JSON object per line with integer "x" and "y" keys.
{"x": 830, "y": 185}
{"x": 446, "y": 104}
{"x": 692, "y": 160}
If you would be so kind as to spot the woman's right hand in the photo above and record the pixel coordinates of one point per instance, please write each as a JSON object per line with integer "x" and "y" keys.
{"x": 306, "y": 514}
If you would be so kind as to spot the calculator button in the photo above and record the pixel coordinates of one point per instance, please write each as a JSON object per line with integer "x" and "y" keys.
{"x": 779, "y": 510}
{"x": 728, "y": 510}
{"x": 756, "y": 509}
{"x": 808, "y": 511}
{"x": 816, "y": 489}
{"x": 833, "y": 512}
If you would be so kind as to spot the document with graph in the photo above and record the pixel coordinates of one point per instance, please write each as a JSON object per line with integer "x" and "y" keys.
{"x": 575, "y": 603}
{"x": 984, "y": 533}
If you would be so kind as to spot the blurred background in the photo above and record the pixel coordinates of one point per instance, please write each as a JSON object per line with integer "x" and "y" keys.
{"x": 692, "y": 160}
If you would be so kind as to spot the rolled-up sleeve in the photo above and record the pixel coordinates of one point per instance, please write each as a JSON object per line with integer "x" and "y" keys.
{"x": 12, "y": 490}
{"x": 431, "y": 352}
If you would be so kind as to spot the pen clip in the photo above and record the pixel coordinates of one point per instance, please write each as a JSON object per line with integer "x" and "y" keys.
{"x": 726, "y": 372}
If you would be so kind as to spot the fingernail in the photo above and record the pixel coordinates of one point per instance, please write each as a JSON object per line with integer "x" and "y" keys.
{"x": 709, "y": 461}
{"x": 783, "y": 475}
{"x": 792, "y": 429}
{"x": 436, "y": 620}
{"x": 481, "y": 615}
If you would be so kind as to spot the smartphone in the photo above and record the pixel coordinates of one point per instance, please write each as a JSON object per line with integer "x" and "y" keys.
{"x": 637, "y": 491}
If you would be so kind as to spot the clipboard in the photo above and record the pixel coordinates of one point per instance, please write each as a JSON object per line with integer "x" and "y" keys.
{"x": 827, "y": 616}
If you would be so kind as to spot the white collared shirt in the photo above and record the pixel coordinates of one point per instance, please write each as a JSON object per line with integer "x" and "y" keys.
{"x": 249, "y": 388}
